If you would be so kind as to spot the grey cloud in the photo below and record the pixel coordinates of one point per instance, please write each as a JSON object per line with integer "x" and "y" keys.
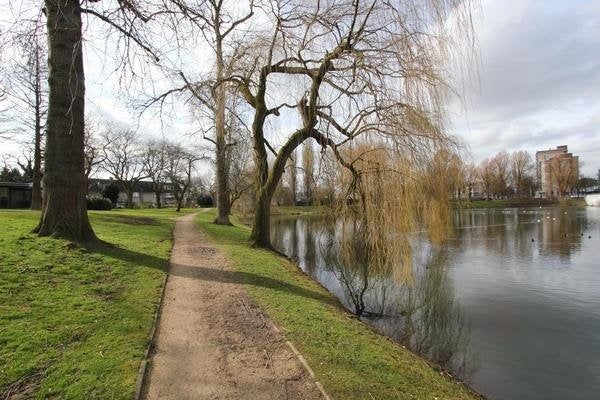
{"x": 540, "y": 79}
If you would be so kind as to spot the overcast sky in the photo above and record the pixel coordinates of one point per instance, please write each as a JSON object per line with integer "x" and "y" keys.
{"x": 538, "y": 87}
{"x": 539, "y": 83}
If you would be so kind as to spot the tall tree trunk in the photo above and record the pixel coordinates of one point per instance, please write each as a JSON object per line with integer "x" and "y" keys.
{"x": 267, "y": 184}
{"x": 65, "y": 213}
{"x": 223, "y": 203}
{"x": 223, "y": 199}
{"x": 36, "y": 192}
{"x": 261, "y": 231}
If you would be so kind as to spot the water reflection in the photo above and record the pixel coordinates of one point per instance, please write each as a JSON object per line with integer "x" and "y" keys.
{"x": 554, "y": 232}
{"x": 420, "y": 312}
{"x": 510, "y": 302}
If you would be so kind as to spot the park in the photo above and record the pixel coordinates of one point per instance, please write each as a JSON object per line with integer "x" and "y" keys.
{"x": 284, "y": 199}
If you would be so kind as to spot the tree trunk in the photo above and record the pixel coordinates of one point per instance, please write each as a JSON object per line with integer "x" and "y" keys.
{"x": 65, "y": 212}
{"x": 223, "y": 206}
{"x": 158, "y": 201}
{"x": 261, "y": 231}
{"x": 223, "y": 203}
{"x": 36, "y": 190}
{"x": 129, "y": 198}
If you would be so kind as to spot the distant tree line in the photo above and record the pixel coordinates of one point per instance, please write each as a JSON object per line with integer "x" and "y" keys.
{"x": 513, "y": 175}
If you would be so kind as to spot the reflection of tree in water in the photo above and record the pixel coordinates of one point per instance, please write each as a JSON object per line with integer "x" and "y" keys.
{"x": 561, "y": 233}
{"x": 352, "y": 273}
{"x": 297, "y": 238}
{"x": 421, "y": 312}
{"x": 520, "y": 232}
{"x": 434, "y": 325}
{"x": 310, "y": 237}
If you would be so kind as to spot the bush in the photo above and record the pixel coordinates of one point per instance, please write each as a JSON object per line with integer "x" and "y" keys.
{"x": 99, "y": 203}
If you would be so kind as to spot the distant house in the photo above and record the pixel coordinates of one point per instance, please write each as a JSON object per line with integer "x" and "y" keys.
{"x": 15, "y": 195}
{"x": 143, "y": 193}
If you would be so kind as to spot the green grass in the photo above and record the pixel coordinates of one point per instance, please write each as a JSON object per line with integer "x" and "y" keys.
{"x": 298, "y": 210}
{"x": 351, "y": 360}
{"x": 480, "y": 204}
{"x": 74, "y": 321}
{"x": 290, "y": 210}
{"x": 503, "y": 203}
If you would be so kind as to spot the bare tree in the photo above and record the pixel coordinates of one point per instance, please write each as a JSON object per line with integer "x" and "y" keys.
{"x": 361, "y": 71}
{"x": 328, "y": 177}
{"x": 500, "y": 164}
{"x": 123, "y": 160}
{"x": 155, "y": 165}
{"x": 564, "y": 174}
{"x": 470, "y": 176}
{"x": 218, "y": 22}
{"x": 94, "y": 148}
{"x": 26, "y": 163}
{"x": 239, "y": 167}
{"x": 179, "y": 171}
{"x": 521, "y": 169}
{"x": 26, "y": 90}
{"x": 486, "y": 173}
{"x": 4, "y": 134}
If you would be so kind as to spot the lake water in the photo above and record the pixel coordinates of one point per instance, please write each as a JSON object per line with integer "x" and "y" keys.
{"x": 510, "y": 303}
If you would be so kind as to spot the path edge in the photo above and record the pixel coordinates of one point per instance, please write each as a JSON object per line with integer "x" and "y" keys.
{"x": 142, "y": 371}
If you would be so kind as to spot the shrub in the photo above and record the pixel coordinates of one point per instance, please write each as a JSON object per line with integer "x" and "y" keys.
{"x": 99, "y": 203}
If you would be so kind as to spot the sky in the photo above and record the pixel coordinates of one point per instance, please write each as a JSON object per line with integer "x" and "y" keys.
{"x": 538, "y": 84}
{"x": 539, "y": 80}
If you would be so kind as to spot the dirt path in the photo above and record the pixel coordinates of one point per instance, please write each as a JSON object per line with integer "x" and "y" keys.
{"x": 212, "y": 342}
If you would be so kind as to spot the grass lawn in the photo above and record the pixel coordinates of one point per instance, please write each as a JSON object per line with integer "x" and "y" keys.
{"x": 74, "y": 322}
{"x": 349, "y": 359}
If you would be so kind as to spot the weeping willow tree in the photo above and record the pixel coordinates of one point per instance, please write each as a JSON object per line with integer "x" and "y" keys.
{"x": 391, "y": 195}
{"x": 348, "y": 72}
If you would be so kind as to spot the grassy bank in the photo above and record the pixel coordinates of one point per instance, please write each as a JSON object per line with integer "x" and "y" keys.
{"x": 572, "y": 202}
{"x": 288, "y": 210}
{"x": 466, "y": 204}
{"x": 298, "y": 210}
{"x": 349, "y": 359}
{"x": 74, "y": 322}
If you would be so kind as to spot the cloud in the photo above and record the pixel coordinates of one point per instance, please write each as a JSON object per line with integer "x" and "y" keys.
{"x": 540, "y": 79}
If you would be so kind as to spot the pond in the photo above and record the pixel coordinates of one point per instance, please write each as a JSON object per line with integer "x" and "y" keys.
{"x": 510, "y": 303}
